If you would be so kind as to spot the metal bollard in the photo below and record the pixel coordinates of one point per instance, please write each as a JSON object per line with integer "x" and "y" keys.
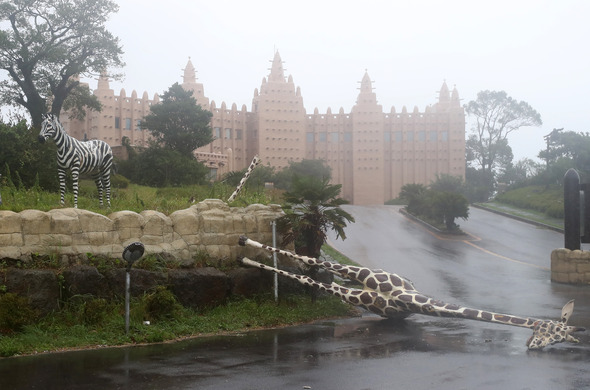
{"x": 571, "y": 209}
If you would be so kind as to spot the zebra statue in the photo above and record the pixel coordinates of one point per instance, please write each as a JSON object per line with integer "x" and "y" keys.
{"x": 92, "y": 156}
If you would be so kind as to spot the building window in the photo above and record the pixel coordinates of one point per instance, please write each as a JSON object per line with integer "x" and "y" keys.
{"x": 398, "y": 136}
{"x": 117, "y": 122}
{"x": 433, "y": 136}
{"x": 217, "y": 132}
{"x": 227, "y": 133}
{"x": 138, "y": 125}
{"x": 387, "y": 136}
{"x": 421, "y": 135}
{"x": 409, "y": 136}
{"x": 322, "y": 137}
{"x": 238, "y": 133}
{"x": 444, "y": 136}
{"x": 348, "y": 136}
{"x": 309, "y": 137}
{"x": 334, "y": 137}
{"x": 212, "y": 173}
{"x": 127, "y": 123}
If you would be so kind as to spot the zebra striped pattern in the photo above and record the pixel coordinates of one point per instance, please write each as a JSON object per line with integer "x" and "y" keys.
{"x": 94, "y": 156}
{"x": 253, "y": 164}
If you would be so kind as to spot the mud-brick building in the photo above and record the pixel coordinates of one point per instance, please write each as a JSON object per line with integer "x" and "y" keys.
{"x": 372, "y": 153}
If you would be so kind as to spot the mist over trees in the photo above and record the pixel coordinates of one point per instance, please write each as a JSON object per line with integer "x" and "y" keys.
{"x": 487, "y": 150}
{"x": 45, "y": 45}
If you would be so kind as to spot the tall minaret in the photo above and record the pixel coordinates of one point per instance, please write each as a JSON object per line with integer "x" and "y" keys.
{"x": 281, "y": 118}
{"x": 189, "y": 83}
{"x": 367, "y": 145}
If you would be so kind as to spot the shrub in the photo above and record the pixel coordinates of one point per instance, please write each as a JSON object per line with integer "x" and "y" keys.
{"x": 95, "y": 311}
{"x": 15, "y": 313}
{"x": 119, "y": 181}
{"x": 161, "y": 304}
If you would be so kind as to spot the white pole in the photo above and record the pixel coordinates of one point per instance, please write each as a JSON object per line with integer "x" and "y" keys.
{"x": 274, "y": 257}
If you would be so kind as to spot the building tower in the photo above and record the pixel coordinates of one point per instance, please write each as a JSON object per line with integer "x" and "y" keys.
{"x": 367, "y": 146}
{"x": 280, "y": 118}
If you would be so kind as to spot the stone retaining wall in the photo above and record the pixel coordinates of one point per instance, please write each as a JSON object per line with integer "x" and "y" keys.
{"x": 210, "y": 227}
{"x": 569, "y": 266}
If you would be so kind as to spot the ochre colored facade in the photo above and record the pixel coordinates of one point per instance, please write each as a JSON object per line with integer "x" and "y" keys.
{"x": 372, "y": 153}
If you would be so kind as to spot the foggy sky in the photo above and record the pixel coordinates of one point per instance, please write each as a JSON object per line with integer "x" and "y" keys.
{"x": 536, "y": 51}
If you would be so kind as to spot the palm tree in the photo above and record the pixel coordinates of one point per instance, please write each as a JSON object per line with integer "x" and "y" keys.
{"x": 311, "y": 208}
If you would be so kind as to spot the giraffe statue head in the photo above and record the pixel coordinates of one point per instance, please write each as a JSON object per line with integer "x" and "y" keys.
{"x": 552, "y": 332}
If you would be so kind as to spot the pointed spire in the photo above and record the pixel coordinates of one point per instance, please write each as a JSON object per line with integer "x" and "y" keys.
{"x": 103, "y": 81}
{"x": 366, "y": 83}
{"x": 444, "y": 94}
{"x": 455, "y": 97}
{"x": 189, "y": 73}
{"x": 276, "y": 71}
{"x": 366, "y": 95}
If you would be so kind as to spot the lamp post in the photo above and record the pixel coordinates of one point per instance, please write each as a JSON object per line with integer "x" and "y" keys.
{"x": 131, "y": 254}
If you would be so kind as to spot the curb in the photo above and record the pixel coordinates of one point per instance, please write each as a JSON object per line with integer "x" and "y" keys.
{"x": 518, "y": 218}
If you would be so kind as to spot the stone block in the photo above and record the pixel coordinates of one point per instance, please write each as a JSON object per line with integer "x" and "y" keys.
{"x": 583, "y": 267}
{"x": 35, "y": 222}
{"x": 38, "y": 285}
{"x": 11, "y": 239}
{"x": 84, "y": 279}
{"x": 156, "y": 223}
{"x": 10, "y": 222}
{"x": 64, "y": 221}
{"x": 200, "y": 287}
{"x": 93, "y": 222}
{"x": 126, "y": 219}
{"x": 249, "y": 282}
{"x": 186, "y": 222}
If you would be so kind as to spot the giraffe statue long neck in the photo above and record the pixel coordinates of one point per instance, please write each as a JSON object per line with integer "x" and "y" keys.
{"x": 390, "y": 295}
{"x": 255, "y": 161}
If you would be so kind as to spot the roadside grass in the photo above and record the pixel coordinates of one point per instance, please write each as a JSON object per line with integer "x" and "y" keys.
{"x": 545, "y": 200}
{"x": 67, "y": 330}
{"x": 133, "y": 198}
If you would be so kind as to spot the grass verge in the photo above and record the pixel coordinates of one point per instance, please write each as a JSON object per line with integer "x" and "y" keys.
{"x": 70, "y": 329}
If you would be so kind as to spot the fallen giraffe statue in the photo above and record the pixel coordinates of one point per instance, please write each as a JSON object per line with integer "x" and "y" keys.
{"x": 392, "y": 296}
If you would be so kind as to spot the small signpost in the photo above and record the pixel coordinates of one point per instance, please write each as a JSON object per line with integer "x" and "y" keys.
{"x": 131, "y": 254}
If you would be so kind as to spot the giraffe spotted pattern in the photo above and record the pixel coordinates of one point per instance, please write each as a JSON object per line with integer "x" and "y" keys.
{"x": 393, "y": 296}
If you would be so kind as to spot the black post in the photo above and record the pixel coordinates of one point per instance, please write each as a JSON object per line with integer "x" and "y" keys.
{"x": 571, "y": 209}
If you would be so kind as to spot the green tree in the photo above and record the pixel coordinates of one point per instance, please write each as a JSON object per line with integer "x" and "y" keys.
{"x": 519, "y": 172}
{"x": 568, "y": 144}
{"x": 162, "y": 167}
{"x": 305, "y": 167}
{"x": 24, "y": 157}
{"x": 259, "y": 176}
{"x": 415, "y": 197}
{"x": 312, "y": 207}
{"x": 45, "y": 44}
{"x": 178, "y": 122}
{"x": 447, "y": 206}
{"x": 497, "y": 115}
{"x": 440, "y": 203}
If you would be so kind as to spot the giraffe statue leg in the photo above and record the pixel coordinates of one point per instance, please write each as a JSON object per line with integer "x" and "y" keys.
{"x": 392, "y": 296}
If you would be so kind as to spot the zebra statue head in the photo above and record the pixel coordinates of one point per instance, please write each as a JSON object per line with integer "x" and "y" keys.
{"x": 49, "y": 127}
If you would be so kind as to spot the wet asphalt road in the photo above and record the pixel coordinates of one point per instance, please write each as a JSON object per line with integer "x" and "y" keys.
{"x": 502, "y": 265}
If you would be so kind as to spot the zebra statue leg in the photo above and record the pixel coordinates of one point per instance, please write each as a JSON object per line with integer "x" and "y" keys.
{"x": 99, "y": 187}
{"x": 75, "y": 177}
{"x": 61, "y": 174}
